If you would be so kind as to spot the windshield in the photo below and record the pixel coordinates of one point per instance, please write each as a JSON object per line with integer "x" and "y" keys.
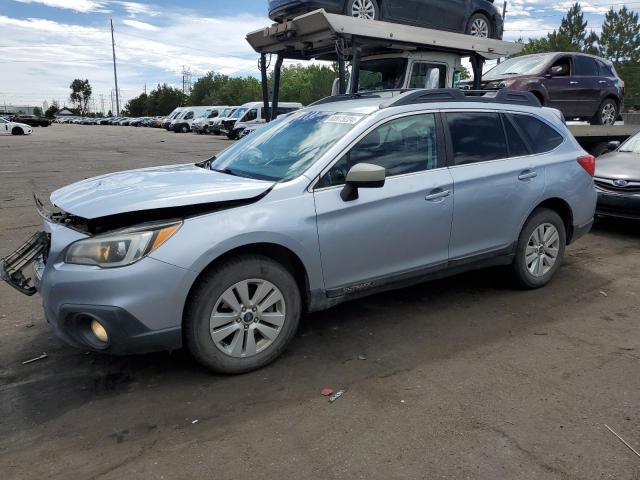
{"x": 632, "y": 145}
{"x": 238, "y": 113}
{"x": 285, "y": 148}
{"x": 382, "y": 74}
{"x": 528, "y": 65}
{"x": 226, "y": 112}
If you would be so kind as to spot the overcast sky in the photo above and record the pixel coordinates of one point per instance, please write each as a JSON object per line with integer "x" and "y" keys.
{"x": 45, "y": 44}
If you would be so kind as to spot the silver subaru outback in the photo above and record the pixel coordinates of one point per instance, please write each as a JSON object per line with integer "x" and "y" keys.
{"x": 345, "y": 198}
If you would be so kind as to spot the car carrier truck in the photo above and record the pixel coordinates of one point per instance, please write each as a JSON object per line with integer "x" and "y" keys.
{"x": 387, "y": 58}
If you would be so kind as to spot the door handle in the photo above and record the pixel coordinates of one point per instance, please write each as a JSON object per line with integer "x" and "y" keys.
{"x": 573, "y": 83}
{"x": 527, "y": 175}
{"x": 437, "y": 195}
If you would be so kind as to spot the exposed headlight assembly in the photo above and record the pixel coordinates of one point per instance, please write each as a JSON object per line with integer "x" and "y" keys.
{"x": 122, "y": 248}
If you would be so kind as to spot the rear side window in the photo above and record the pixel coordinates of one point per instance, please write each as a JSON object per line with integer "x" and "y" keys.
{"x": 540, "y": 136}
{"x": 476, "y": 137}
{"x": 401, "y": 146}
{"x": 517, "y": 146}
{"x": 585, "y": 66}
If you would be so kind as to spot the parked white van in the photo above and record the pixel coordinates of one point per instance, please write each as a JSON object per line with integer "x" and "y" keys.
{"x": 201, "y": 125}
{"x": 216, "y": 123}
{"x": 251, "y": 114}
{"x": 166, "y": 124}
{"x": 182, "y": 124}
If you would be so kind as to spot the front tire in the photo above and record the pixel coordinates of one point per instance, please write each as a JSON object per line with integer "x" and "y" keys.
{"x": 607, "y": 113}
{"x": 479, "y": 26}
{"x": 242, "y": 315}
{"x": 367, "y": 9}
{"x": 540, "y": 249}
{"x": 17, "y": 131}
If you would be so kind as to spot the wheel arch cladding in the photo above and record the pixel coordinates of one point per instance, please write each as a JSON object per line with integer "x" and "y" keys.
{"x": 280, "y": 254}
{"x": 563, "y": 209}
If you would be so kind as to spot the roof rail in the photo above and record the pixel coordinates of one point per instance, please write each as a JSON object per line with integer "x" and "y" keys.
{"x": 457, "y": 95}
{"x": 342, "y": 98}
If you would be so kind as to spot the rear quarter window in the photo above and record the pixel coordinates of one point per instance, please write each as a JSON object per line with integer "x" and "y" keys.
{"x": 540, "y": 136}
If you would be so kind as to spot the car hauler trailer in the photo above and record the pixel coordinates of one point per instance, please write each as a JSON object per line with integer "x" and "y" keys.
{"x": 408, "y": 52}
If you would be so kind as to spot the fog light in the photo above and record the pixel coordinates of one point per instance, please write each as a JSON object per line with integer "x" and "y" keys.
{"x": 99, "y": 331}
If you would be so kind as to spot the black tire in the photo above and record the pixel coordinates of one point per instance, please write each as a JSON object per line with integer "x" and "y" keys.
{"x": 184, "y": 128}
{"x": 602, "y": 115}
{"x": 17, "y": 131}
{"x": 196, "y": 333}
{"x": 376, "y": 8}
{"x": 205, "y": 130}
{"x": 521, "y": 273}
{"x": 232, "y": 136}
{"x": 471, "y": 30}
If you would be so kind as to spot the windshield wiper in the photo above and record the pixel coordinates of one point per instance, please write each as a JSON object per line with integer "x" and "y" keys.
{"x": 227, "y": 170}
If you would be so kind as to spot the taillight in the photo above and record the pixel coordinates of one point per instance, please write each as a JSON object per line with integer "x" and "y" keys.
{"x": 588, "y": 162}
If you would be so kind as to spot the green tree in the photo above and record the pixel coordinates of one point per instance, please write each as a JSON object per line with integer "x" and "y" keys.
{"x": 37, "y": 111}
{"x": 138, "y": 107}
{"x": 81, "y": 94}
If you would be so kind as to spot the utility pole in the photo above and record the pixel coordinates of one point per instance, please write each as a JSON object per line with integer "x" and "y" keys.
{"x": 186, "y": 80}
{"x": 102, "y": 103}
{"x": 504, "y": 17}
{"x": 115, "y": 71}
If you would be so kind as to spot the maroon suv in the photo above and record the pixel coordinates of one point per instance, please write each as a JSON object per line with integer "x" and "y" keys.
{"x": 580, "y": 86}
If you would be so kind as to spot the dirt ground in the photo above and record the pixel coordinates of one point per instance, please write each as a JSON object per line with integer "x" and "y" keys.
{"x": 464, "y": 378}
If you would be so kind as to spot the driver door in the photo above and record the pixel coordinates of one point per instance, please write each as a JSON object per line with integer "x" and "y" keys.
{"x": 4, "y": 127}
{"x": 388, "y": 233}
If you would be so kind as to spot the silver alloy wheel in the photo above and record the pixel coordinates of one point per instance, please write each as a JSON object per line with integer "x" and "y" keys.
{"x": 542, "y": 250}
{"x": 247, "y": 318}
{"x": 480, "y": 28}
{"x": 609, "y": 114}
{"x": 363, "y": 9}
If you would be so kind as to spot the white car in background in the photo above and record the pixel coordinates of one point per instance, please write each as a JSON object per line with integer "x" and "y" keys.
{"x": 12, "y": 128}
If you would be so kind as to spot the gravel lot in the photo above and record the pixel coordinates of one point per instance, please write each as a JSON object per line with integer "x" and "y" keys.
{"x": 461, "y": 378}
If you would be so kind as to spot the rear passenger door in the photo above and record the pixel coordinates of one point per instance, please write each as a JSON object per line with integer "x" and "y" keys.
{"x": 399, "y": 230}
{"x": 496, "y": 183}
{"x": 587, "y": 87}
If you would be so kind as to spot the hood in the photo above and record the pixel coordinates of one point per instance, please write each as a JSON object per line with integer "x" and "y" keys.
{"x": 153, "y": 189}
{"x": 619, "y": 165}
{"x": 23, "y": 125}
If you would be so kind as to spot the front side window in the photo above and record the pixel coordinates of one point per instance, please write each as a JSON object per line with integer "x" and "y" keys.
{"x": 401, "y": 146}
{"x": 213, "y": 114}
{"x": 561, "y": 67}
{"x": 428, "y": 75}
{"x": 585, "y": 66}
{"x": 188, "y": 116}
{"x": 285, "y": 148}
{"x": 540, "y": 136}
{"x": 476, "y": 137}
{"x": 527, "y": 65}
{"x": 251, "y": 115}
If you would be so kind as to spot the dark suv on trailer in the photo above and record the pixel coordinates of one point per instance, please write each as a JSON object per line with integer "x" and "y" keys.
{"x": 479, "y": 18}
{"x": 580, "y": 86}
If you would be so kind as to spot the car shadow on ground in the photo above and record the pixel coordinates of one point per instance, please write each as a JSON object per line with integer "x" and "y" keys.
{"x": 375, "y": 337}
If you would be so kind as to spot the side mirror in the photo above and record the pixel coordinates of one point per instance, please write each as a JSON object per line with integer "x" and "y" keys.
{"x": 362, "y": 175}
{"x": 613, "y": 146}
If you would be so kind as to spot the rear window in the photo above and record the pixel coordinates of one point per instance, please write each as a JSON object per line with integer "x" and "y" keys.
{"x": 585, "y": 66}
{"x": 517, "y": 146}
{"x": 540, "y": 136}
{"x": 606, "y": 70}
{"x": 476, "y": 137}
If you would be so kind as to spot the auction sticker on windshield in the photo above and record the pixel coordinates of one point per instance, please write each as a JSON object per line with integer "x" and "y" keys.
{"x": 348, "y": 119}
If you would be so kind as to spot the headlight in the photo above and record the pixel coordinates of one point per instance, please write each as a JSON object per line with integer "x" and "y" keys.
{"x": 506, "y": 83}
{"x": 121, "y": 248}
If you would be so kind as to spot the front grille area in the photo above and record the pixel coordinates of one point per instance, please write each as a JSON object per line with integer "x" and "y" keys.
{"x": 610, "y": 186}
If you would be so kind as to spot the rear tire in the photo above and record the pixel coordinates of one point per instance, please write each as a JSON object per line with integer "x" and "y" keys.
{"x": 540, "y": 249}
{"x": 607, "y": 113}
{"x": 247, "y": 346}
{"x": 479, "y": 26}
